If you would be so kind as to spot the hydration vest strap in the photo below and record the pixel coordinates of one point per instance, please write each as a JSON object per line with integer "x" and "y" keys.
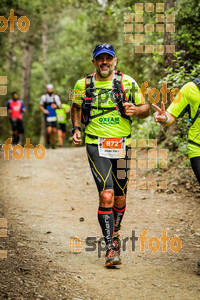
{"x": 89, "y": 80}
{"x": 123, "y": 87}
{"x": 105, "y": 111}
{"x": 45, "y": 103}
{"x": 193, "y": 143}
{"x": 196, "y": 116}
{"x": 89, "y": 87}
{"x": 119, "y": 94}
{"x": 54, "y": 101}
{"x": 197, "y": 82}
{"x": 103, "y": 108}
{"x": 96, "y": 137}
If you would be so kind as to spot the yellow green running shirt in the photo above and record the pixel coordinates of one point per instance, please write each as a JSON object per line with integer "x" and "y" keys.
{"x": 61, "y": 113}
{"x": 190, "y": 98}
{"x": 110, "y": 125}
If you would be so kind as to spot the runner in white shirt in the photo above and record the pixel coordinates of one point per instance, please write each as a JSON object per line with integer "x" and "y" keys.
{"x": 48, "y": 105}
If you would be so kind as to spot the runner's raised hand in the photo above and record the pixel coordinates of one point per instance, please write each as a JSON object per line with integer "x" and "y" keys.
{"x": 160, "y": 114}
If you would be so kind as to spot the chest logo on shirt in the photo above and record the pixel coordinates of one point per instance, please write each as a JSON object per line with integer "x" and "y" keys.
{"x": 109, "y": 121}
{"x": 103, "y": 97}
{"x": 16, "y": 108}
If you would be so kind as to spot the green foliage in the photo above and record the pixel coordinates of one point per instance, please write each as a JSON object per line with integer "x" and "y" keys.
{"x": 144, "y": 129}
{"x": 187, "y": 36}
{"x": 183, "y": 71}
{"x": 186, "y": 64}
{"x": 179, "y": 139}
{"x": 74, "y": 28}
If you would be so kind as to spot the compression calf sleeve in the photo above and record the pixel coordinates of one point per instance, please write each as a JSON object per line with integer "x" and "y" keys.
{"x": 106, "y": 221}
{"x": 118, "y": 215}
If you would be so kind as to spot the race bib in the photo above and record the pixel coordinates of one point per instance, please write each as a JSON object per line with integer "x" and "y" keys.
{"x": 16, "y": 108}
{"x": 61, "y": 118}
{"x": 51, "y": 119}
{"x": 112, "y": 147}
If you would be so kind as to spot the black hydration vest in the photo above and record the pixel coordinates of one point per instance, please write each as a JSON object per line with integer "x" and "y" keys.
{"x": 49, "y": 103}
{"x": 118, "y": 93}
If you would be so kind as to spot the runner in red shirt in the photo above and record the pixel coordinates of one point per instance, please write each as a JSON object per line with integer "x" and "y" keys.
{"x": 16, "y": 109}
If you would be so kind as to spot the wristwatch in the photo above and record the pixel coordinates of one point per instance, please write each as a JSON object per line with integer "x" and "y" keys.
{"x": 74, "y": 128}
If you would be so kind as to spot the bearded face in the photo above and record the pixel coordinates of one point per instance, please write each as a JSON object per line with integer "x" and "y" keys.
{"x": 105, "y": 64}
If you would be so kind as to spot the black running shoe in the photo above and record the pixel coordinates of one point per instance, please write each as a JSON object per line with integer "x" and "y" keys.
{"x": 112, "y": 257}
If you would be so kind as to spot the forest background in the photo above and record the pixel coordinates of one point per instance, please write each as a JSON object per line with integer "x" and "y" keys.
{"x": 58, "y": 46}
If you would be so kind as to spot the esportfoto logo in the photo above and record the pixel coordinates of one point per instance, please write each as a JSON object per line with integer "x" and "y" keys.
{"x": 3, "y": 234}
{"x": 153, "y": 244}
{"x": 23, "y": 23}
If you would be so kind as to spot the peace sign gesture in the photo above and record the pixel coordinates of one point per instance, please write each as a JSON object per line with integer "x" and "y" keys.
{"x": 160, "y": 114}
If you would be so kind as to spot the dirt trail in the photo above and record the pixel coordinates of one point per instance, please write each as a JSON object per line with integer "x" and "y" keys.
{"x": 43, "y": 202}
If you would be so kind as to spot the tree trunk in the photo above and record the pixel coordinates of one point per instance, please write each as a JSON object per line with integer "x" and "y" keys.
{"x": 168, "y": 57}
{"x": 166, "y": 132}
{"x": 26, "y": 73}
{"x": 45, "y": 48}
{"x": 10, "y": 51}
{"x": 45, "y": 55}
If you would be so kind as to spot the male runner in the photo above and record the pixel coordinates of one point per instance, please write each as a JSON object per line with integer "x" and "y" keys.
{"x": 48, "y": 104}
{"x": 15, "y": 109}
{"x": 106, "y": 109}
{"x": 61, "y": 114}
{"x": 189, "y": 102}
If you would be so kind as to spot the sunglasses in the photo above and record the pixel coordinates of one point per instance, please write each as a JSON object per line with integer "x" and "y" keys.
{"x": 107, "y": 46}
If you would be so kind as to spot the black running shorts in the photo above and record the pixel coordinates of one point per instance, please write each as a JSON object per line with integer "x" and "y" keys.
{"x": 52, "y": 124}
{"x": 61, "y": 126}
{"x": 108, "y": 173}
{"x": 17, "y": 125}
